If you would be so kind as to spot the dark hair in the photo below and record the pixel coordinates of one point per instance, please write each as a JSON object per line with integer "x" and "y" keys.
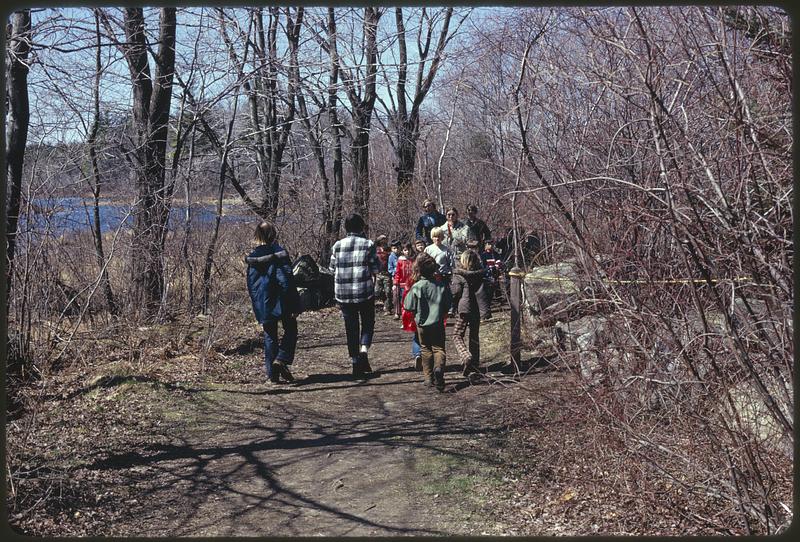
{"x": 354, "y": 224}
{"x": 408, "y": 246}
{"x": 424, "y": 266}
{"x": 265, "y": 233}
{"x": 453, "y": 209}
{"x": 471, "y": 208}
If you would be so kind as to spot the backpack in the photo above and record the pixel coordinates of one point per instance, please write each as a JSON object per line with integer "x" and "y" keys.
{"x": 306, "y": 271}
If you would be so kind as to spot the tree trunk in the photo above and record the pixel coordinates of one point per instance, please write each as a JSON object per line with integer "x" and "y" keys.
{"x": 408, "y": 134}
{"x": 359, "y": 158}
{"x": 333, "y": 222}
{"x": 187, "y": 227}
{"x": 18, "y": 48}
{"x": 92, "y": 144}
{"x": 151, "y": 105}
{"x": 362, "y": 115}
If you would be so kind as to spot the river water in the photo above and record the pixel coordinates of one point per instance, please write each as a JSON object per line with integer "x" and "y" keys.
{"x": 64, "y": 215}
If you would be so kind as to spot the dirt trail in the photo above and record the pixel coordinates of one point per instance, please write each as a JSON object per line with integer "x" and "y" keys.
{"x": 325, "y": 455}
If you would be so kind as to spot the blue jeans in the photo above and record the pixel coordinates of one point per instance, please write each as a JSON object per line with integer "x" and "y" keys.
{"x": 359, "y": 324}
{"x": 416, "y": 349}
{"x": 282, "y": 350}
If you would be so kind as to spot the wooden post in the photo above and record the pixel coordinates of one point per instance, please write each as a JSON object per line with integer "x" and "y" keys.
{"x": 516, "y": 274}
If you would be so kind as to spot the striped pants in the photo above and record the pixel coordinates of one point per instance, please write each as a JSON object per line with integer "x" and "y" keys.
{"x": 467, "y": 355}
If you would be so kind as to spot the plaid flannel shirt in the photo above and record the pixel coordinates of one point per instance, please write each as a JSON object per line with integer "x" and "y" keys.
{"x": 353, "y": 262}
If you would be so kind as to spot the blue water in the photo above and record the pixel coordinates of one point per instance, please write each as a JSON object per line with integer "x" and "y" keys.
{"x": 64, "y": 215}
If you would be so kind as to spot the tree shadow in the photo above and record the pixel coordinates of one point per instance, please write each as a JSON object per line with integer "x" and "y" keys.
{"x": 247, "y": 347}
{"x": 187, "y": 477}
{"x": 536, "y": 364}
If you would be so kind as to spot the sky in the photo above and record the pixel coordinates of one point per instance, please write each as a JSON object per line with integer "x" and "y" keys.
{"x": 61, "y": 80}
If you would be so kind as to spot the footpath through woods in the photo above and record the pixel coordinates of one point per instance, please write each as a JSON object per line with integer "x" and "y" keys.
{"x": 178, "y": 434}
{"x": 327, "y": 455}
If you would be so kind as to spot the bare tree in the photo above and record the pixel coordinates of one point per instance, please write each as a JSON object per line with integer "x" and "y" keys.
{"x": 271, "y": 124}
{"x": 95, "y": 181}
{"x": 152, "y": 93}
{"x": 404, "y": 121}
{"x": 327, "y": 102}
{"x": 361, "y": 93}
{"x": 18, "y": 48}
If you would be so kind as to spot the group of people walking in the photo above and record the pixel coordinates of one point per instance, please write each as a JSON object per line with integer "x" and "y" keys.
{"x": 447, "y": 272}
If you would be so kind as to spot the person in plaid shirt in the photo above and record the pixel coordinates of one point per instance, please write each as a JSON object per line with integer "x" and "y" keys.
{"x": 354, "y": 263}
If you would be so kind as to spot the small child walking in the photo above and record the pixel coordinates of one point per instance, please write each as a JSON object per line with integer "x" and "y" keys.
{"x": 397, "y": 297}
{"x": 471, "y": 300}
{"x": 274, "y": 296}
{"x": 383, "y": 281}
{"x": 405, "y": 282}
{"x": 429, "y": 300}
{"x": 402, "y": 276}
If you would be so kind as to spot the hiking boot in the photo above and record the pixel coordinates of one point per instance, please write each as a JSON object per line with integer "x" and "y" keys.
{"x": 358, "y": 371}
{"x": 475, "y": 377}
{"x": 275, "y": 376}
{"x": 428, "y": 382}
{"x": 283, "y": 370}
{"x": 396, "y": 317}
{"x": 418, "y": 363}
{"x": 363, "y": 361}
{"x": 438, "y": 377}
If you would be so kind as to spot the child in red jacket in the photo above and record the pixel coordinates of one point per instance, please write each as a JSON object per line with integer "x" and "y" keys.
{"x": 402, "y": 273}
{"x": 403, "y": 283}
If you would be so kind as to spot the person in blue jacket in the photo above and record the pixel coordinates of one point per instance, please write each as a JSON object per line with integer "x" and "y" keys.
{"x": 270, "y": 284}
{"x": 428, "y": 221}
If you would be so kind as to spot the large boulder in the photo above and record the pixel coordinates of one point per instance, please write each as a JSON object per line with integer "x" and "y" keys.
{"x": 754, "y": 320}
{"x": 549, "y": 284}
{"x": 586, "y": 337}
{"x": 748, "y": 409}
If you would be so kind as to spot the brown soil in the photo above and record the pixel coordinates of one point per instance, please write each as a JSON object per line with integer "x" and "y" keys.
{"x": 323, "y": 456}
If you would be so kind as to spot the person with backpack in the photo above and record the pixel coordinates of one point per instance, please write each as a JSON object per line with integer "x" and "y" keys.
{"x": 354, "y": 263}
{"x": 274, "y": 297}
{"x": 429, "y": 300}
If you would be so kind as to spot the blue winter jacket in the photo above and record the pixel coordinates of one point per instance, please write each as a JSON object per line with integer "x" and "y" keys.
{"x": 426, "y": 223}
{"x": 392, "y": 263}
{"x": 270, "y": 283}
